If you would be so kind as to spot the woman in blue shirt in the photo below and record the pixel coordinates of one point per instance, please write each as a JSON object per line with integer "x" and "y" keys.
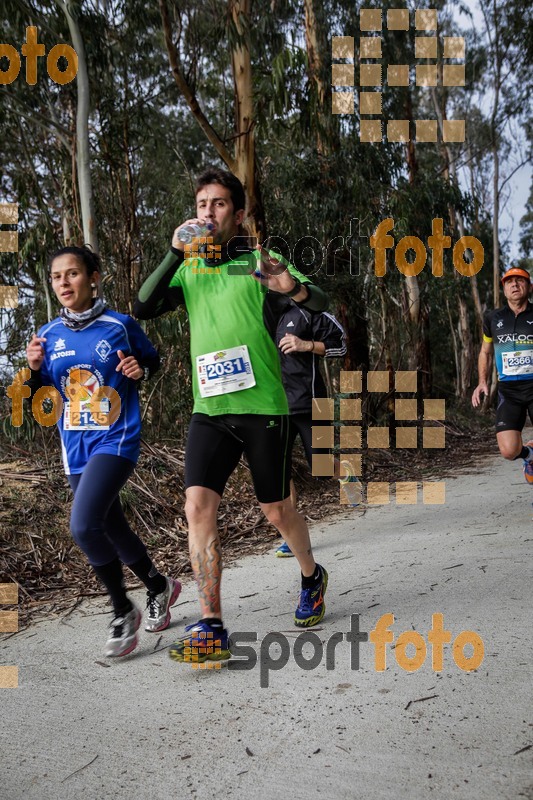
{"x": 94, "y": 357}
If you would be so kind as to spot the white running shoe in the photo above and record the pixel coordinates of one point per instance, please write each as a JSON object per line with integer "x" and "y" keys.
{"x": 123, "y": 633}
{"x": 158, "y": 606}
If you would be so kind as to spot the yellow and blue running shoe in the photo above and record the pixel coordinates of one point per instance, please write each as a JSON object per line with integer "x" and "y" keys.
{"x": 284, "y": 551}
{"x": 528, "y": 471}
{"x": 200, "y": 643}
{"x": 311, "y": 606}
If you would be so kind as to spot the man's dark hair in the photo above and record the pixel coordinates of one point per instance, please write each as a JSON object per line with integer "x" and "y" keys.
{"x": 89, "y": 259}
{"x": 226, "y": 179}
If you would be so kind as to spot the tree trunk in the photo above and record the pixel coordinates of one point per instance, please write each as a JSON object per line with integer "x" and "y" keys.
{"x": 242, "y": 162}
{"x": 466, "y": 356}
{"x": 83, "y": 156}
{"x": 241, "y": 64}
{"x": 455, "y": 349}
{"x": 132, "y": 264}
{"x": 496, "y": 223}
{"x": 495, "y": 41}
{"x": 419, "y": 357}
{"x": 356, "y": 328}
{"x": 423, "y": 360}
{"x": 317, "y": 46}
{"x": 457, "y": 216}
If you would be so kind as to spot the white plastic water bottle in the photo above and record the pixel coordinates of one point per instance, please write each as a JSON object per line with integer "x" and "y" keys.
{"x": 350, "y": 487}
{"x": 193, "y": 230}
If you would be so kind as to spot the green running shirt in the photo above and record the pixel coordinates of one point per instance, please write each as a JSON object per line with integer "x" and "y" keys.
{"x": 228, "y": 307}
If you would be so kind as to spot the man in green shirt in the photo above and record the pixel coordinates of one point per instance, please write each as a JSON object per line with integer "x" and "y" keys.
{"x": 239, "y": 401}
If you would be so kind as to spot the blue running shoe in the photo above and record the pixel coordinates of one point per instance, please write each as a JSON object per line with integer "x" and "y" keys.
{"x": 528, "y": 471}
{"x": 200, "y": 643}
{"x": 284, "y": 551}
{"x": 311, "y": 607}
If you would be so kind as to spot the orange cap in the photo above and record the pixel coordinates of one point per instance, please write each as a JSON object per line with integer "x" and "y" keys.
{"x": 518, "y": 271}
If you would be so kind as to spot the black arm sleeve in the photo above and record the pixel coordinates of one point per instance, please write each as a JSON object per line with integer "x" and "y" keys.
{"x": 34, "y": 382}
{"x": 317, "y": 299}
{"x": 156, "y": 296}
{"x": 150, "y": 366}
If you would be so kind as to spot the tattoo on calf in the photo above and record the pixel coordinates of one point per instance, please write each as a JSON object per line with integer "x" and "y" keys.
{"x": 207, "y": 568}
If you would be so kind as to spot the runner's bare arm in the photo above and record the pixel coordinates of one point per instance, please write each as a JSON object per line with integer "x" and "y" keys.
{"x": 484, "y": 365}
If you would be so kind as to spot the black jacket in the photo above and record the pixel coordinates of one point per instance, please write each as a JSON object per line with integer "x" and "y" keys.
{"x": 300, "y": 372}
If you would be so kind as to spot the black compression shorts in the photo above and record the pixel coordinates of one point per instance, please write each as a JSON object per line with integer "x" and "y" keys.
{"x": 513, "y": 405}
{"x": 215, "y": 445}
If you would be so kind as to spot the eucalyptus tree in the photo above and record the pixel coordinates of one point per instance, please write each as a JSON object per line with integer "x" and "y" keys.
{"x": 506, "y": 38}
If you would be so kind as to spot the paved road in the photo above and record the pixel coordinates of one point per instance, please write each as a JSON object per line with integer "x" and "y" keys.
{"x": 81, "y": 726}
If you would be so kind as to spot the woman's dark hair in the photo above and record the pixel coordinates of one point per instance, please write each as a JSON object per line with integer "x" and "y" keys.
{"x": 90, "y": 260}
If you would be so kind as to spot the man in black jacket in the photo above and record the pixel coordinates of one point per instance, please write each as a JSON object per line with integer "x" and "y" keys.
{"x": 303, "y": 338}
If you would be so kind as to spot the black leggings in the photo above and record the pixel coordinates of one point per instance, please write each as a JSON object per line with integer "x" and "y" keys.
{"x": 97, "y": 521}
{"x": 302, "y": 424}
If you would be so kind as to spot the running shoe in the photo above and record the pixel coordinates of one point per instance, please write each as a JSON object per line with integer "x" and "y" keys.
{"x": 311, "y": 606}
{"x": 158, "y": 606}
{"x": 528, "y": 471}
{"x": 200, "y": 643}
{"x": 123, "y": 633}
{"x": 284, "y": 551}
